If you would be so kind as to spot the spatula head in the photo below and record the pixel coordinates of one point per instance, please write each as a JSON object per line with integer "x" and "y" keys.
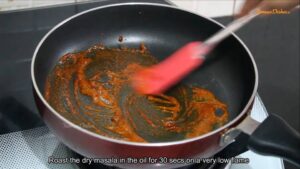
{"x": 158, "y": 78}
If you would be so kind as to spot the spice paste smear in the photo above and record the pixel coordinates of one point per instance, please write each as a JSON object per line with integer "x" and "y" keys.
{"x": 92, "y": 89}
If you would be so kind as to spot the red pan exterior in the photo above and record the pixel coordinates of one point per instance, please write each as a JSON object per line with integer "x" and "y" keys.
{"x": 90, "y": 146}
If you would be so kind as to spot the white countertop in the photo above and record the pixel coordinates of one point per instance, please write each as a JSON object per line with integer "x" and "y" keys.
{"x": 210, "y": 8}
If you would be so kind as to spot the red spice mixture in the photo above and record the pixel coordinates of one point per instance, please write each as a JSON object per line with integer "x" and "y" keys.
{"x": 92, "y": 89}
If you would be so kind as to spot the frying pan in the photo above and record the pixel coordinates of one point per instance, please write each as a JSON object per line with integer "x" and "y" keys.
{"x": 230, "y": 73}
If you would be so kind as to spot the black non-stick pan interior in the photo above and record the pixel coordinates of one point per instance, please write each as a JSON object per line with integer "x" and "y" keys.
{"x": 228, "y": 73}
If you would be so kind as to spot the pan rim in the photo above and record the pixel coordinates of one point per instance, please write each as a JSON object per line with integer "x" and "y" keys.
{"x": 117, "y": 141}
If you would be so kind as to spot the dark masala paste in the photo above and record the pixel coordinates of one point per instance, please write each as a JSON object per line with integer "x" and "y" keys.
{"x": 92, "y": 89}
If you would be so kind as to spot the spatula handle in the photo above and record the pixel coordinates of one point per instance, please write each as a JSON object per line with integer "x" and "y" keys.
{"x": 232, "y": 27}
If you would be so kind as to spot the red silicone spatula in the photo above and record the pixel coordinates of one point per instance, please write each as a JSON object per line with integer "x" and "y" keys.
{"x": 160, "y": 77}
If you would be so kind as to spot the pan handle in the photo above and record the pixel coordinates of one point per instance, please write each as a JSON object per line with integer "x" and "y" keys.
{"x": 276, "y": 137}
{"x": 273, "y": 137}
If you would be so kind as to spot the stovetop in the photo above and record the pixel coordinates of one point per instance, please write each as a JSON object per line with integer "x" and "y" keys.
{"x": 25, "y": 141}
